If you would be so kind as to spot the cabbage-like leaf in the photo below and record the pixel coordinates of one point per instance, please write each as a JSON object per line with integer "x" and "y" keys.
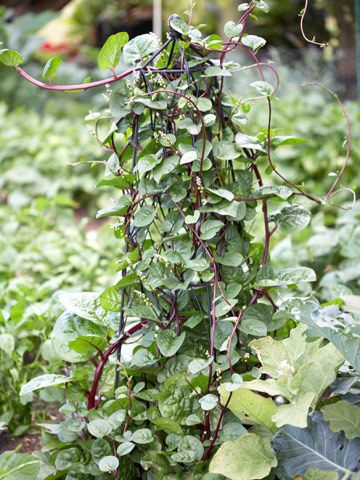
{"x": 299, "y": 449}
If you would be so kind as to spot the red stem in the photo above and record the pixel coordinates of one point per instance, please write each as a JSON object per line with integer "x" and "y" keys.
{"x": 80, "y": 86}
{"x": 93, "y": 402}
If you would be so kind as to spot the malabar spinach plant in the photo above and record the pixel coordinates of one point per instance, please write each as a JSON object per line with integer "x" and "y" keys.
{"x": 199, "y": 362}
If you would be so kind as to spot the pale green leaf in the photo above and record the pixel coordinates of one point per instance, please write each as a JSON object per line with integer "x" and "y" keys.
{"x": 99, "y": 428}
{"x": 108, "y": 464}
{"x": 295, "y": 413}
{"x": 264, "y": 88}
{"x": 253, "y": 41}
{"x": 7, "y": 343}
{"x": 343, "y": 416}
{"x": 250, "y": 457}
{"x": 144, "y": 216}
{"x": 44, "y": 381}
{"x": 140, "y": 47}
{"x": 142, "y": 436}
{"x": 251, "y": 408}
{"x": 210, "y": 228}
{"x": 232, "y": 29}
{"x": 289, "y": 276}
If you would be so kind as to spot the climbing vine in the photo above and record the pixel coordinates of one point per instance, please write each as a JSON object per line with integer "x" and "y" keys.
{"x": 194, "y": 363}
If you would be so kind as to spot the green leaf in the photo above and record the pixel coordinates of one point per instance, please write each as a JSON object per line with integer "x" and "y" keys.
{"x": 293, "y": 218}
{"x": 295, "y": 413}
{"x": 215, "y": 71}
{"x": 166, "y": 166}
{"x": 18, "y": 466}
{"x": 125, "y": 448}
{"x": 343, "y": 416}
{"x": 142, "y": 436}
{"x": 239, "y": 119}
{"x": 99, "y": 449}
{"x": 246, "y": 141}
{"x": 289, "y": 276}
{"x": 175, "y": 400}
{"x": 99, "y": 428}
{"x": 250, "y": 457}
{"x": 66, "y": 458}
{"x": 168, "y": 342}
{"x": 210, "y": 228}
{"x": 144, "y": 216}
{"x": 141, "y": 311}
{"x": 222, "y": 193}
{"x": 69, "y": 327}
{"x": 191, "y": 219}
{"x": 199, "y": 364}
{"x": 118, "y": 102}
{"x": 225, "y": 150}
{"x": 189, "y": 449}
{"x": 300, "y": 368}
{"x": 188, "y": 125}
{"x": 51, "y": 68}
{"x": 10, "y": 58}
{"x": 274, "y": 357}
{"x": 143, "y": 358}
{"x": 274, "y": 191}
{"x": 110, "y": 300}
{"x": 108, "y": 464}
{"x": 109, "y": 54}
{"x": 227, "y": 208}
{"x": 7, "y": 343}
{"x": 153, "y": 104}
{"x": 232, "y": 29}
{"x": 251, "y": 408}
{"x": 243, "y": 6}
{"x": 43, "y": 381}
{"x": 87, "y": 344}
{"x": 208, "y": 402}
{"x": 140, "y": 47}
{"x": 253, "y": 41}
{"x": 264, "y": 88}
{"x": 180, "y": 26}
{"x": 83, "y": 304}
{"x": 327, "y": 322}
{"x": 168, "y": 425}
{"x": 198, "y": 264}
{"x": 116, "y": 210}
{"x": 188, "y": 157}
{"x": 231, "y": 259}
{"x": 262, "y": 6}
{"x": 278, "y": 140}
{"x": 298, "y": 449}
{"x": 257, "y": 320}
{"x": 122, "y": 183}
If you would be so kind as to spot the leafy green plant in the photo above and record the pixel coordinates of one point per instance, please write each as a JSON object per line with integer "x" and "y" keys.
{"x": 43, "y": 250}
{"x": 27, "y": 173}
{"x": 199, "y": 361}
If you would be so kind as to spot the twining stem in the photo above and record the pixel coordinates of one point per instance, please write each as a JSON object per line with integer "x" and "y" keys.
{"x": 302, "y": 19}
{"x": 93, "y": 402}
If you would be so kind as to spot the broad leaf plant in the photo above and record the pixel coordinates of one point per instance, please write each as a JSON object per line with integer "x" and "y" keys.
{"x": 201, "y": 360}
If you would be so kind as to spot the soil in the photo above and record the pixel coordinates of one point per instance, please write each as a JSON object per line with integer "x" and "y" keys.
{"x": 27, "y": 444}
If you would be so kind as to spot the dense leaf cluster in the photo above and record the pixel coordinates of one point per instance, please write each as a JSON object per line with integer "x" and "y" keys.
{"x": 198, "y": 362}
